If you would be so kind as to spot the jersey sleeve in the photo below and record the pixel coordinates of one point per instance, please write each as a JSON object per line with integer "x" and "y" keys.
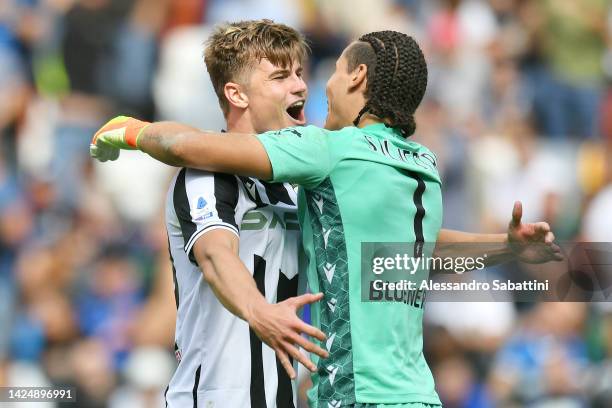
{"x": 203, "y": 202}
{"x": 298, "y": 155}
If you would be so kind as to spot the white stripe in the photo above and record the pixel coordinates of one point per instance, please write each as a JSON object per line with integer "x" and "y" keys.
{"x": 199, "y": 233}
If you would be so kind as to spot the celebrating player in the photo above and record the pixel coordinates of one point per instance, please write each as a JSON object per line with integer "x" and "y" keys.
{"x": 362, "y": 180}
{"x": 243, "y": 234}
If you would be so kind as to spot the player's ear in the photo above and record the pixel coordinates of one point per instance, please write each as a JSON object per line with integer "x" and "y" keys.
{"x": 235, "y": 95}
{"x": 358, "y": 78}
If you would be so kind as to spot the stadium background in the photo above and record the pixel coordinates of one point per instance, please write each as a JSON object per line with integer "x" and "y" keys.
{"x": 517, "y": 108}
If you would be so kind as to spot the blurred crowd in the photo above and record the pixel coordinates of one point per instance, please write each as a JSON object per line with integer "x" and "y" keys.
{"x": 518, "y": 107}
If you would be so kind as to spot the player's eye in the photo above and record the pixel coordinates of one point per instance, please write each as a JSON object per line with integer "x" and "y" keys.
{"x": 280, "y": 75}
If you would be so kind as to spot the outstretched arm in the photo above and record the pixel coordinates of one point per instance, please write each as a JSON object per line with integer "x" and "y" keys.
{"x": 525, "y": 242}
{"x": 453, "y": 244}
{"x": 298, "y": 155}
{"x": 183, "y": 146}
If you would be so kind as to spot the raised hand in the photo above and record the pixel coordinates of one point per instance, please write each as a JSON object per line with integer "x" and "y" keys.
{"x": 532, "y": 242}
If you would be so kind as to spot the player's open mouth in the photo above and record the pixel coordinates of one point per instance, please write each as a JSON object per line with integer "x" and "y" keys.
{"x": 296, "y": 111}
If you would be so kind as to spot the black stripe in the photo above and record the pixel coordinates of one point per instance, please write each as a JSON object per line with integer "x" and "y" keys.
{"x": 284, "y": 397}
{"x": 277, "y": 192}
{"x": 176, "y": 288}
{"x": 181, "y": 208}
{"x": 196, "y": 383}
{"x": 420, "y": 213}
{"x": 166, "y": 393}
{"x": 258, "y": 392}
{"x": 176, "y": 291}
{"x": 249, "y": 184}
{"x": 226, "y": 196}
{"x": 286, "y": 287}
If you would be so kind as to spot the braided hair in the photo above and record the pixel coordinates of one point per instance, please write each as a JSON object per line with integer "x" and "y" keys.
{"x": 396, "y": 77}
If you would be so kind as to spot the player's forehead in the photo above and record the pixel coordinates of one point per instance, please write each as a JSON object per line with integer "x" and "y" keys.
{"x": 342, "y": 60}
{"x": 264, "y": 65}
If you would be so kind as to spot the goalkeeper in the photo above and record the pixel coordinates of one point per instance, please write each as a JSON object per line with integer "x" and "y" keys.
{"x": 362, "y": 180}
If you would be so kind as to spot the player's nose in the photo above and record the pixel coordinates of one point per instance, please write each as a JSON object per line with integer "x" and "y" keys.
{"x": 299, "y": 86}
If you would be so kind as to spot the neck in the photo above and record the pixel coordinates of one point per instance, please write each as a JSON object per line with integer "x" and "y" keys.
{"x": 368, "y": 119}
{"x": 239, "y": 122}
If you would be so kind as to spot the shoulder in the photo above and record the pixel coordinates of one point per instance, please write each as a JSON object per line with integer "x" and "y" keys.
{"x": 194, "y": 182}
{"x": 296, "y": 132}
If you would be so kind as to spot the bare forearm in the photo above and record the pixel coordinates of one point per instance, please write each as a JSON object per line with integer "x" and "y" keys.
{"x": 456, "y": 244}
{"x": 171, "y": 143}
{"x": 184, "y": 146}
{"x": 232, "y": 284}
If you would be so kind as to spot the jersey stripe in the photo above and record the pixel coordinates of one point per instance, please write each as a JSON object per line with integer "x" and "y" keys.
{"x": 277, "y": 193}
{"x": 209, "y": 227}
{"x": 336, "y": 376}
{"x": 258, "y": 392}
{"x": 181, "y": 208}
{"x": 417, "y": 197}
{"x": 226, "y": 192}
{"x": 176, "y": 289}
{"x": 196, "y": 383}
{"x": 284, "y": 397}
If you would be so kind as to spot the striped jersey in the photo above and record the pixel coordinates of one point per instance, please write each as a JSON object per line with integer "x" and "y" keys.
{"x": 222, "y": 363}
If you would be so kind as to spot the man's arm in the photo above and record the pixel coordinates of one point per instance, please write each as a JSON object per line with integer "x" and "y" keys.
{"x": 206, "y": 208}
{"x": 299, "y": 155}
{"x": 275, "y": 324}
{"x": 181, "y": 145}
{"x": 454, "y": 244}
{"x": 530, "y": 243}
{"x": 184, "y": 146}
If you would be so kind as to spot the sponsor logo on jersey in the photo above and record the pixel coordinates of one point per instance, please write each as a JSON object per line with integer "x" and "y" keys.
{"x": 204, "y": 216}
{"x": 330, "y": 341}
{"x": 318, "y": 201}
{"x": 329, "y": 270}
{"x": 258, "y": 220}
{"x": 332, "y": 373}
{"x": 332, "y": 304}
{"x": 202, "y": 210}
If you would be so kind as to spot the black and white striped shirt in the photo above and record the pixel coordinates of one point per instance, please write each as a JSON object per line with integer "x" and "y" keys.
{"x": 222, "y": 363}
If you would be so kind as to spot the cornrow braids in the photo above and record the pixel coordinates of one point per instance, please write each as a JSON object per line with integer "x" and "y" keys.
{"x": 396, "y": 82}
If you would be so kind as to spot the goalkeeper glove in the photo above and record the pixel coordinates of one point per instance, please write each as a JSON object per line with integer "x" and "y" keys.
{"x": 118, "y": 133}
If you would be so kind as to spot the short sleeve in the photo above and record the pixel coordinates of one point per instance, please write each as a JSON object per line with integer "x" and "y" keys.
{"x": 298, "y": 155}
{"x": 204, "y": 201}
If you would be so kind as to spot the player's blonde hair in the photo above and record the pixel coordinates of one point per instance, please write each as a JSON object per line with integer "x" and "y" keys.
{"x": 235, "y": 48}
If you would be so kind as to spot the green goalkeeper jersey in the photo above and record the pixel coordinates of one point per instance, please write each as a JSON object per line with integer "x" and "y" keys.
{"x": 361, "y": 185}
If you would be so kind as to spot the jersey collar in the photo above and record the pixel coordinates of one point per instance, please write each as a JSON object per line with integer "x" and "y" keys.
{"x": 383, "y": 128}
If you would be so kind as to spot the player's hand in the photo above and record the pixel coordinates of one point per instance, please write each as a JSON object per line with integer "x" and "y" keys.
{"x": 279, "y": 327}
{"x": 534, "y": 242}
{"x": 119, "y": 133}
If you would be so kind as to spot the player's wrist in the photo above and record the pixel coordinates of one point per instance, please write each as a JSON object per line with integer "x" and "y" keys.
{"x": 135, "y": 132}
{"x": 254, "y": 310}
